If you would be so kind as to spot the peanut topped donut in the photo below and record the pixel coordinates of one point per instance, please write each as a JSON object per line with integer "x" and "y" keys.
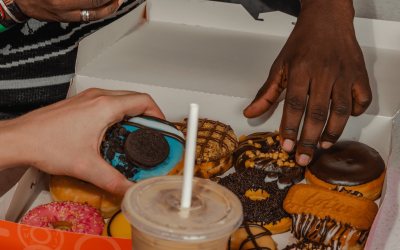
{"x": 263, "y": 151}
{"x": 261, "y": 194}
{"x": 349, "y": 164}
{"x": 215, "y": 144}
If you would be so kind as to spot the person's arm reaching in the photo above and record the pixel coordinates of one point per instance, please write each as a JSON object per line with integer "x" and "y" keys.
{"x": 64, "y": 138}
{"x": 321, "y": 59}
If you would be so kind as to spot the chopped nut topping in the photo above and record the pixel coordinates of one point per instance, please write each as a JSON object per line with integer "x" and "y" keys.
{"x": 279, "y": 162}
{"x": 270, "y": 140}
{"x": 250, "y": 142}
{"x": 248, "y": 152}
{"x": 286, "y": 163}
{"x": 292, "y": 164}
{"x": 257, "y": 145}
{"x": 249, "y": 164}
{"x": 275, "y": 155}
{"x": 242, "y": 138}
{"x": 278, "y": 138}
{"x": 258, "y": 153}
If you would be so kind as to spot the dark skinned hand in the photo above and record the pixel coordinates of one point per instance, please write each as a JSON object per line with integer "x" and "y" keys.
{"x": 323, "y": 61}
{"x": 67, "y": 10}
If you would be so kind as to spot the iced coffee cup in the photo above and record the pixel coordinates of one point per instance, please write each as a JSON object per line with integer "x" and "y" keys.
{"x": 154, "y": 211}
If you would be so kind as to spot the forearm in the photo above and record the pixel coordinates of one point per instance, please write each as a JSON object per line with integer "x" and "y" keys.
{"x": 12, "y": 152}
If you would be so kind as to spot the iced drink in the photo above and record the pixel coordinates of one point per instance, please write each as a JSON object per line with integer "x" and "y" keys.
{"x": 152, "y": 207}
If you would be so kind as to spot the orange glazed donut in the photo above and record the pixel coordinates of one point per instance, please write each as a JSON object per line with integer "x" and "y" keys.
{"x": 351, "y": 165}
{"x": 66, "y": 188}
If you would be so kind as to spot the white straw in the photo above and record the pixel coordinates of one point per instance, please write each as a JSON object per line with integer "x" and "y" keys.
{"x": 190, "y": 154}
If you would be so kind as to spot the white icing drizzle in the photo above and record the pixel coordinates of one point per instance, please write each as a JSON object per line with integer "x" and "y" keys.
{"x": 269, "y": 179}
{"x": 156, "y": 125}
{"x": 349, "y": 235}
{"x": 283, "y": 185}
{"x": 331, "y": 234}
{"x": 305, "y": 223}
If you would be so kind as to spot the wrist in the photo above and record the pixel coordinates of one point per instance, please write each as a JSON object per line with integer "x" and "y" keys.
{"x": 332, "y": 9}
{"x": 13, "y": 151}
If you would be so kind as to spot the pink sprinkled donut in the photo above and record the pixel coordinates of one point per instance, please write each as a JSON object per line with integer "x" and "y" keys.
{"x": 66, "y": 216}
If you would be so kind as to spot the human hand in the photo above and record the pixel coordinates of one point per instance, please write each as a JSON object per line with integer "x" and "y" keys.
{"x": 322, "y": 59}
{"x": 67, "y": 10}
{"x": 64, "y": 138}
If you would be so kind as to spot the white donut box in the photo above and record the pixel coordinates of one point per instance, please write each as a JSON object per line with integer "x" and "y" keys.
{"x": 214, "y": 54}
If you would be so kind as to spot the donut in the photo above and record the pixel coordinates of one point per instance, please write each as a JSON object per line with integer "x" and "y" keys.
{"x": 117, "y": 226}
{"x": 263, "y": 151}
{"x": 307, "y": 245}
{"x": 67, "y": 216}
{"x": 66, "y": 188}
{"x": 215, "y": 144}
{"x": 349, "y": 164}
{"x": 336, "y": 219}
{"x": 251, "y": 236}
{"x": 261, "y": 194}
{"x": 144, "y": 147}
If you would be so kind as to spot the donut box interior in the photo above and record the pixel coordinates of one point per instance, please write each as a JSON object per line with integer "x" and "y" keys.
{"x": 214, "y": 54}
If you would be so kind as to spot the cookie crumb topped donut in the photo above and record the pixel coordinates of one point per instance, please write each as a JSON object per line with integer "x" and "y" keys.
{"x": 216, "y": 142}
{"x": 262, "y": 201}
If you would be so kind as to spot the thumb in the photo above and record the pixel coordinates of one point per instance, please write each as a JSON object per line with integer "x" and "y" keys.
{"x": 103, "y": 175}
{"x": 268, "y": 94}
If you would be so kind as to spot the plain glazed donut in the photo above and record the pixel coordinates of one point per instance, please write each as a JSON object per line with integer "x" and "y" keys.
{"x": 66, "y": 216}
{"x": 66, "y": 188}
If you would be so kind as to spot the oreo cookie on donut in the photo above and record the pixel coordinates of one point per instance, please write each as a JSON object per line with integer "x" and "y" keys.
{"x": 144, "y": 147}
{"x": 349, "y": 165}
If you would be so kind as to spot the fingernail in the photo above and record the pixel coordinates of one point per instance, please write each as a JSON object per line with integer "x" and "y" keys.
{"x": 326, "y": 144}
{"x": 120, "y": 2}
{"x": 303, "y": 160}
{"x": 288, "y": 145}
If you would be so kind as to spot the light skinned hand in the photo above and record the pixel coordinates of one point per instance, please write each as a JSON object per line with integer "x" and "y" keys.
{"x": 64, "y": 138}
{"x": 321, "y": 61}
{"x": 67, "y": 10}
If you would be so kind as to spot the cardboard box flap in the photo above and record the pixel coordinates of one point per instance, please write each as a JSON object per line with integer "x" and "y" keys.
{"x": 217, "y": 61}
{"x": 93, "y": 45}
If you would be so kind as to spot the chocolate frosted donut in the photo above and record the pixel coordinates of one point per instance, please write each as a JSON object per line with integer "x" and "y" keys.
{"x": 262, "y": 200}
{"x": 349, "y": 164}
{"x": 251, "y": 236}
{"x": 263, "y": 151}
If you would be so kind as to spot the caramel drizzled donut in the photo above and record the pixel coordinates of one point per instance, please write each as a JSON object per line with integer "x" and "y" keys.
{"x": 263, "y": 151}
{"x": 216, "y": 142}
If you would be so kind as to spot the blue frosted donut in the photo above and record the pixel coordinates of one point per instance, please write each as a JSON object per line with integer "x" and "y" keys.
{"x": 117, "y": 149}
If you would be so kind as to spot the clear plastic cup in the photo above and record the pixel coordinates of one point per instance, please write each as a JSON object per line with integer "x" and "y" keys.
{"x": 152, "y": 207}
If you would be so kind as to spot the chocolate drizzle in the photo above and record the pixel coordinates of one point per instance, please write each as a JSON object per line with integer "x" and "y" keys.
{"x": 295, "y": 173}
{"x": 251, "y": 237}
{"x": 174, "y": 136}
{"x": 343, "y": 189}
{"x": 347, "y": 163}
{"x": 307, "y": 245}
{"x": 269, "y": 210}
{"x": 224, "y": 134}
{"x": 325, "y": 230}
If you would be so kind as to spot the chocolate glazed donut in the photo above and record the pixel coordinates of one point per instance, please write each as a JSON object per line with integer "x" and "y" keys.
{"x": 263, "y": 151}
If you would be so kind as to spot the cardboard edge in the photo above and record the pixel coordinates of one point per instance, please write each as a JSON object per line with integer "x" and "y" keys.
{"x": 92, "y": 46}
